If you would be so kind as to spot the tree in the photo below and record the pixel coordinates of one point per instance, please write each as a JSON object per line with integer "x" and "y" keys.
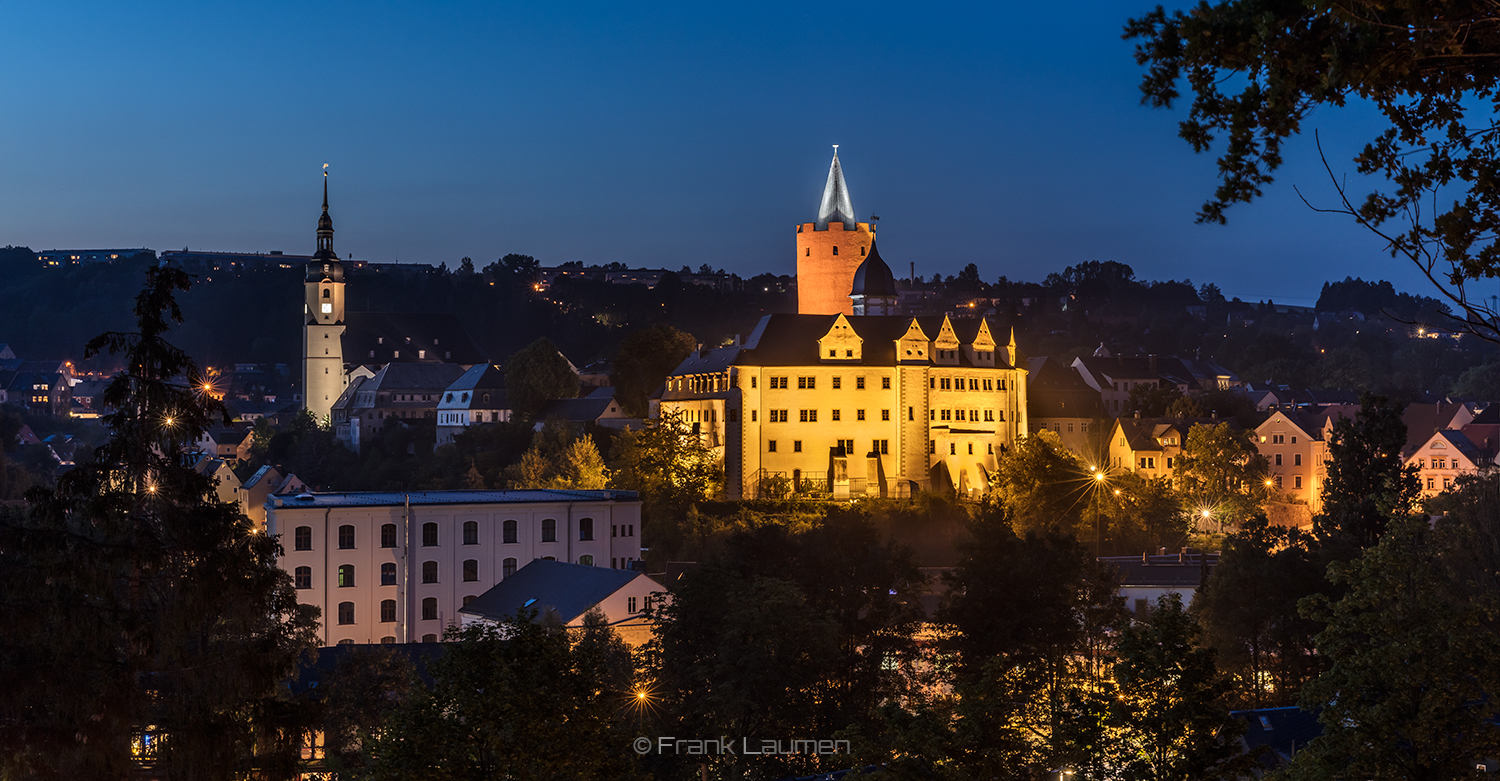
{"x": 1257, "y": 69}
{"x": 1043, "y": 486}
{"x": 1170, "y": 718}
{"x": 559, "y": 457}
{"x": 1152, "y": 401}
{"x": 1411, "y": 689}
{"x": 517, "y": 700}
{"x": 671, "y": 467}
{"x": 1222, "y": 473}
{"x": 537, "y": 375}
{"x": 166, "y": 603}
{"x": 1248, "y": 611}
{"x": 1367, "y": 483}
{"x": 1142, "y": 514}
{"x": 646, "y": 358}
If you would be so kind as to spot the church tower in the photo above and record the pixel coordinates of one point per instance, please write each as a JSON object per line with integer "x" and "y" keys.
{"x": 323, "y": 378}
{"x": 830, "y": 250}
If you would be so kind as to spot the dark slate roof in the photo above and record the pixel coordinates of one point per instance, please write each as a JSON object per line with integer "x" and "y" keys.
{"x": 1173, "y": 571}
{"x": 874, "y": 277}
{"x": 1490, "y": 415}
{"x": 440, "y": 335}
{"x": 418, "y": 498}
{"x": 792, "y": 340}
{"x": 314, "y": 668}
{"x": 578, "y": 410}
{"x": 568, "y": 590}
{"x": 1055, "y": 390}
{"x": 1282, "y": 730}
{"x": 430, "y": 377}
{"x": 485, "y": 376}
{"x": 1460, "y": 441}
{"x": 260, "y": 474}
{"x": 1424, "y": 420}
{"x": 1143, "y": 433}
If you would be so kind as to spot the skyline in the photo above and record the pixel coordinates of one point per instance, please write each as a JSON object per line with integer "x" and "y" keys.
{"x": 1009, "y": 138}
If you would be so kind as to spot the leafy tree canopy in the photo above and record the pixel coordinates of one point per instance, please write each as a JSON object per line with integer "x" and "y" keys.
{"x": 537, "y": 375}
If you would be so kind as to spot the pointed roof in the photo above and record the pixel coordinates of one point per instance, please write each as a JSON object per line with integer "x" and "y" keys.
{"x": 874, "y": 278}
{"x": 836, "y": 206}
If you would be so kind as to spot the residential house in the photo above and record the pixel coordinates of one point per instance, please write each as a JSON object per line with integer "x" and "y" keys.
{"x": 228, "y": 490}
{"x": 599, "y": 407}
{"x": 566, "y": 592}
{"x": 477, "y": 396}
{"x": 1058, "y": 400}
{"x": 1150, "y": 446}
{"x": 1146, "y": 578}
{"x": 1445, "y": 456}
{"x": 398, "y": 391}
{"x": 267, "y": 481}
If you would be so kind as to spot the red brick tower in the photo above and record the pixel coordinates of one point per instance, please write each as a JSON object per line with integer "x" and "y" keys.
{"x": 830, "y": 250}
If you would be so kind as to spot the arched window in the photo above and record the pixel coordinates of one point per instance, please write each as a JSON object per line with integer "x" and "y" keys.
{"x": 346, "y": 537}
{"x": 302, "y": 538}
{"x": 429, "y": 638}
{"x": 508, "y": 568}
{"x": 429, "y": 613}
{"x": 587, "y": 561}
{"x": 388, "y": 535}
{"x": 471, "y": 570}
{"x": 429, "y": 535}
{"x": 346, "y": 612}
{"x": 469, "y": 598}
{"x": 387, "y": 611}
{"x": 429, "y": 572}
{"x": 509, "y": 531}
{"x": 388, "y": 574}
{"x": 346, "y": 575}
{"x": 471, "y": 532}
{"x": 585, "y": 529}
{"x": 327, "y": 293}
{"x": 388, "y": 640}
{"x": 549, "y": 530}
{"x": 304, "y": 577}
{"x": 835, "y": 249}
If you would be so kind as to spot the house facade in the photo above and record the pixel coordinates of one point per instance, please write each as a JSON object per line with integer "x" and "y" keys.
{"x": 388, "y": 567}
{"x": 1443, "y": 458}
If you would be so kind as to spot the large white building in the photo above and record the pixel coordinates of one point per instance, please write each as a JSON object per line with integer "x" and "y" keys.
{"x": 393, "y": 567}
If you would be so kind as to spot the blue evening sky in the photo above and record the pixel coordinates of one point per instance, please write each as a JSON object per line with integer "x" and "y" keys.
{"x": 1006, "y": 135}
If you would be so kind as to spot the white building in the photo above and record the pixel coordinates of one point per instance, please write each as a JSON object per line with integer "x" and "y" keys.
{"x": 389, "y": 567}
{"x": 477, "y": 396}
{"x": 567, "y": 592}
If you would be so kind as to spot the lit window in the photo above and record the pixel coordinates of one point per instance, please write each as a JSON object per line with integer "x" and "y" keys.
{"x": 346, "y": 576}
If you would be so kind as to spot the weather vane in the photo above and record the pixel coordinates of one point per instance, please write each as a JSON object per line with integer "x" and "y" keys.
{"x": 325, "y": 170}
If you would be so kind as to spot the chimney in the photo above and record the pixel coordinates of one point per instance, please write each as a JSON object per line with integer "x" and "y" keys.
{"x": 736, "y": 340}
{"x": 1145, "y": 560}
{"x": 1137, "y": 414}
{"x": 1161, "y": 551}
{"x": 1182, "y": 557}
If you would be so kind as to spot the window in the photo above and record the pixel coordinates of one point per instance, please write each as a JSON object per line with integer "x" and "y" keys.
{"x": 429, "y": 613}
{"x": 835, "y": 249}
{"x": 754, "y": 415}
{"x": 882, "y": 446}
{"x": 469, "y": 598}
{"x": 429, "y": 638}
{"x": 911, "y": 413}
{"x": 387, "y": 611}
{"x": 807, "y": 383}
{"x": 971, "y": 448}
{"x": 346, "y": 613}
{"x": 1296, "y": 481}
{"x": 809, "y": 415}
{"x": 586, "y": 560}
{"x": 770, "y": 446}
{"x": 585, "y": 529}
{"x": 859, "y": 383}
{"x": 752, "y": 382}
{"x": 1429, "y": 484}
{"x": 507, "y": 568}
{"x": 346, "y": 537}
{"x": 859, "y": 414}
{"x": 346, "y": 575}
{"x": 778, "y": 416}
{"x": 1278, "y": 459}
{"x": 388, "y": 535}
{"x": 847, "y": 445}
{"x": 388, "y": 640}
{"x": 429, "y": 535}
{"x": 303, "y": 538}
{"x": 885, "y": 383}
{"x": 1296, "y": 459}
{"x": 388, "y": 574}
{"x": 471, "y": 570}
{"x": 429, "y": 572}
{"x": 835, "y": 415}
{"x": 630, "y": 604}
{"x": 838, "y": 383}
{"x": 508, "y": 531}
{"x": 1278, "y": 481}
{"x": 796, "y": 446}
{"x": 471, "y": 532}
{"x": 952, "y": 448}
{"x": 304, "y": 577}
{"x": 779, "y": 382}
{"x": 932, "y": 446}
{"x": 549, "y": 530}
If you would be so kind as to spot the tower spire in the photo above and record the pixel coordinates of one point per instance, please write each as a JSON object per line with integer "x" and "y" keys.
{"x": 836, "y": 206}
{"x": 325, "y": 225}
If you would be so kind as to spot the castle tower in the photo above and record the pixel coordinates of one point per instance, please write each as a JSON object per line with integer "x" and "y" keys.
{"x": 323, "y": 378}
{"x": 831, "y": 250}
{"x": 874, "y": 288}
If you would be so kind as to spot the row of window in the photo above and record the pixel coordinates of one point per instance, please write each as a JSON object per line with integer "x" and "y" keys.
{"x": 965, "y": 383}
{"x": 811, "y": 383}
{"x": 971, "y": 415}
{"x": 388, "y": 614}
{"x": 1279, "y": 439}
{"x": 881, "y": 446}
{"x": 302, "y": 536}
{"x": 303, "y": 576}
{"x": 1296, "y": 459}
{"x": 1058, "y": 427}
{"x": 1437, "y": 463}
{"x": 811, "y": 415}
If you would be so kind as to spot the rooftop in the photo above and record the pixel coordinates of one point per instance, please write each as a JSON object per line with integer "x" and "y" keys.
{"x": 568, "y": 590}
{"x": 432, "y": 498}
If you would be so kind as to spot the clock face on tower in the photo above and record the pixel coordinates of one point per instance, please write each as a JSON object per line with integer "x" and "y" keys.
{"x": 327, "y": 308}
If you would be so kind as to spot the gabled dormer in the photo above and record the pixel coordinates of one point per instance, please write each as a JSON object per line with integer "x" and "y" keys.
{"x": 841, "y": 344}
{"x": 982, "y": 351}
{"x": 946, "y": 346}
{"x": 914, "y": 346}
